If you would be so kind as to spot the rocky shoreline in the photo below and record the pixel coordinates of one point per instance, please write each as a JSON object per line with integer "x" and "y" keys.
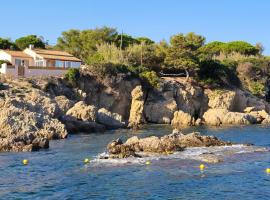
{"x": 34, "y": 111}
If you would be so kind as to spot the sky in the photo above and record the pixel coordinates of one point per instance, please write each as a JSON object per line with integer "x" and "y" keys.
{"x": 222, "y": 20}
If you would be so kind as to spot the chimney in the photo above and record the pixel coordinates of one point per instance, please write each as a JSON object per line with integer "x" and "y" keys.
{"x": 31, "y": 46}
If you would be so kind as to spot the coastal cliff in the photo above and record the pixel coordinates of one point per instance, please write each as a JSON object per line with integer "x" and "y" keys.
{"x": 34, "y": 111}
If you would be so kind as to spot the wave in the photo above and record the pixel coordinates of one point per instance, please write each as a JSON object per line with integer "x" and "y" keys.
{"x": 192, "y": 153}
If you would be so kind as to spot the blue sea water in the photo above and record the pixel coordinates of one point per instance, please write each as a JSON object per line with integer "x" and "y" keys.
{"x": 59, "y": 172}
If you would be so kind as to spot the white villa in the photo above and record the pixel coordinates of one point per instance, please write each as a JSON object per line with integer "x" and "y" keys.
{"x": 37, "y": 62}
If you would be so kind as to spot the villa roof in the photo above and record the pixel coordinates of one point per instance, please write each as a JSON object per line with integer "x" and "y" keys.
{"x": 20, "y": 54}
{"x": 55, "y": 55}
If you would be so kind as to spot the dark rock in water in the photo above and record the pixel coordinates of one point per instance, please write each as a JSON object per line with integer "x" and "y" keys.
{"x": 74, "y": 125}
{"x": 119, "y": 150}
{"x": 165, "y": 144}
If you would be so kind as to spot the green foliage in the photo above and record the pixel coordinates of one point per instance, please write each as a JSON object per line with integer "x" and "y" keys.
{"x": 240, "y": 47}
{"x": 7, "y": 44}
{"x": 72, "y": 75}
{"x": 127, "y": 40}
{"x": 216, "y": 72}
{"x": 70, "y": 41}
{"x": 83, "y": 44}
{"x": 144, "y": 55}
{"x": 257, "y": 88}
{"x": 151, "y": 78}
{"x": 145, "y": 40}
{"x": 24, "y": 42}
{"x": 210, "y": 49}
{"x": 182, "y": 52}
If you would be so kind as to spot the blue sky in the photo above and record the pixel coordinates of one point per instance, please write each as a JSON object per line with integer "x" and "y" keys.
{"x": 223, "y": 20}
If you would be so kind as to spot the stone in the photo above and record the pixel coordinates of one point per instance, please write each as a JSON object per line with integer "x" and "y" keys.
{"x": 210, "y": 158}
{"x": 109, "y": 119}
{"x": 22, "y": 129}
{"x": 160, "y": 112}
{"x": 63, "y": 103}
{"x": 214, "y": 117}
{"x": 136, "y": 117}
{"x": 82, "y": 111}
{"x": 182, "y": 119}
{"x": 238, "y": 118}
{"x": 135, "y": 146}
{"x": 74, "y": 125}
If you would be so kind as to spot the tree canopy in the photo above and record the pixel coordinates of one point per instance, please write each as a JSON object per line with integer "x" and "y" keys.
{"x": 24, "y": 42}
{"x": 7, "y": 44}
{"x": 182, "y": 51}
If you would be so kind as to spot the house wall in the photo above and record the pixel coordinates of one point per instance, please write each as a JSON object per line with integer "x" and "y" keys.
{"x": 9, "y": 70}
{"x": 5, "y": 56}
{"x": 44, "y": 71}
{"x": 30, "y": 60}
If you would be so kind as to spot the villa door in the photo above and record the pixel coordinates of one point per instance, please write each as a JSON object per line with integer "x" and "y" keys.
{"x": 21, "y": 70}
{"x": 21, "y": 66}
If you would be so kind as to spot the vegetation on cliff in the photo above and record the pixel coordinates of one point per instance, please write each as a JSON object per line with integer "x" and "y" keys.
{"x": 105, "y": 51}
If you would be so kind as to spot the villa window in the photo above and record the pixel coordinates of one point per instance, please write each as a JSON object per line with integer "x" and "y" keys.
{"x": 59, "y": 63}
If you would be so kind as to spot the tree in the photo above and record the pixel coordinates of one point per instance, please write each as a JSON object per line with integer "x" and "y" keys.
{"x": 211, "y": 49}
{"x": 7, "y": 44}
{"x": 83, "y": 44}
{"x": 24, "y": 42}
{"x": 145, "y": 40}
{"x": 241, "y": 47}
{"x": 123, "y": 41}
{"x": 145, "y": 56}
{"x": 182, "y": 52}
{"x": 70, "y": 41}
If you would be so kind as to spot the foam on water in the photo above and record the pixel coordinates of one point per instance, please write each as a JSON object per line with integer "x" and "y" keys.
{"x": 192, "y": 153}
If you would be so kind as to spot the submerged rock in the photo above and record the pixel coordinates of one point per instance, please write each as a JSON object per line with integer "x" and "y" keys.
{"x": 161, "y": 145}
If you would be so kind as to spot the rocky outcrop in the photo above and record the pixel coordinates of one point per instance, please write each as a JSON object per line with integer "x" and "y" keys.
{"x": 64, "y": 104}
{"x": 111, "y": 92}
{"x": 238, "y": 118}
{"x": 182, "y": 119}
{"x": 191, "y": 99}
{"x": 83, "y": 112}
{"x": 74, "y": 125}
{"x": 22, "y": 129}
{"x": 221, "y": 99}
{"x": 109, "y": 119}
{"x": 216, "y": 117}
{"x": 136, "y": 117}
{"x": 160, "y": 112}
{"x": 166, "y": 144}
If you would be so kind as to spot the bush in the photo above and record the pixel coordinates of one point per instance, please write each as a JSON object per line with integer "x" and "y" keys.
{"x": 257, "y": 88}
{"x": 216, "y": 72}
{"x": 150, "y": 77}
{"x": 72, "y": 75}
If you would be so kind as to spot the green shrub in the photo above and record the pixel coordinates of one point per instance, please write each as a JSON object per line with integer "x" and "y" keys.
{"x": 257, "y": 88}
{"x": 72, "y": 75}
{"x": 150, "y": 77}
{"x": 222, "y": 73}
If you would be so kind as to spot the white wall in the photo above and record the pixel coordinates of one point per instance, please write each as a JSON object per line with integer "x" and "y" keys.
{"x": 9, "y": 71}
{"x": 5, "y": 56}
{"x": 44, "y": 72}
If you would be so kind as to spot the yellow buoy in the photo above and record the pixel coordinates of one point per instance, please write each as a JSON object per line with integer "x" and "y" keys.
{"x": 148, "y": 162}
{"x": 267, "y": 170}
{"x": 86, "y": 160}
{"x": 25, "y": 161}
{"x": 202, "y": 166}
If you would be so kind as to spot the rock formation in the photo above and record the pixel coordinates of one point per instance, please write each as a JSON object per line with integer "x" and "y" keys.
{"x": 163, "y": 145}
{"x": 136, "y": 117}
